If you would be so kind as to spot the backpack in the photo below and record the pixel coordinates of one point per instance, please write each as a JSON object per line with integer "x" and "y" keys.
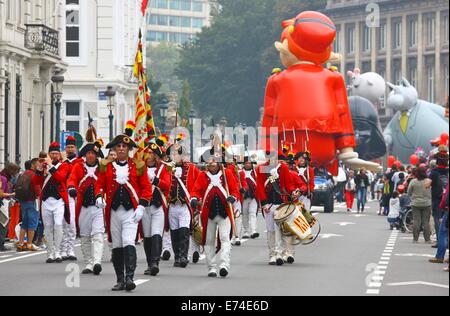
{"x": 23, "y": 188}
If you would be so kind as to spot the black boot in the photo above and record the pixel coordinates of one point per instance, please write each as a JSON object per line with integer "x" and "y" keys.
{"x": 148, "y": 254}
{"x": 174, "y": 234}
{"x": 184, "y": 237}
{"x": 156, "y": 255}
{"x": 130, "y": 267}
{"x": 118, "y": 262}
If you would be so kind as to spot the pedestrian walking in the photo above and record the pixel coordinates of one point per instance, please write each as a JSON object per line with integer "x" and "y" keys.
{"x": 350, "y": 190}
{"x": 362, "y": 184}
{"x": 420, "y": 192}
{"x": 7, "y": 176}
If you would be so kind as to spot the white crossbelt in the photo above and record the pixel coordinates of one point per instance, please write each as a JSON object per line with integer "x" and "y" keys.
{"x": 213, "y": 184}
{"x": 49, "y": 176}
{"x": 269, "y": 178}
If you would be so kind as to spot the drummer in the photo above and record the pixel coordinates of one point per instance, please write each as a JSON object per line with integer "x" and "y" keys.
{"x": 304, "y": 178}
{"x": 275, "y": 187}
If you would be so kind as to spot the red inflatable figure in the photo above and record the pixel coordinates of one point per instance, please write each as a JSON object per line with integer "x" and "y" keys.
{"x": 307, "y": 102}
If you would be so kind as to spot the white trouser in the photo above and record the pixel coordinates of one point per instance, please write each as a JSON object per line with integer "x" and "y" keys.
{"x": 237, "y": 207}
{"x": 53, "y": 217}
{"x": 287, "y": 247}
{"x": 153, "y": 221}
{"x": 167, "y": 242}
{"x": 274, "y": 239}
{"x": 69, "y": 232}
{"x": 91, "y": 221}
{"x": 92, "y": 249}
{"x": 249, "y": 214}
{"x": 123, "y": 228}
{"x": 306, "y": 202}
{"x": 193, "y": 247}
{"x": 224, "y": 226}
{"x": 179, "y": 216}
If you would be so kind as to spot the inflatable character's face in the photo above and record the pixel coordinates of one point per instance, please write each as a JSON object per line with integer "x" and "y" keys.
{"x": 403, "y": 97}
{"x": 287, "y": 58}
{"x": 370, "y": 85}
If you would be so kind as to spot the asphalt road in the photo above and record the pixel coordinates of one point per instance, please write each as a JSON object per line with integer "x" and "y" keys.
{"x": 355, "y": 255}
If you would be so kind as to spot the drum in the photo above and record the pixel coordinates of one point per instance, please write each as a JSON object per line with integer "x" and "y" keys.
{"x": 198, "y": 235}
{"x": 292, "y": 222}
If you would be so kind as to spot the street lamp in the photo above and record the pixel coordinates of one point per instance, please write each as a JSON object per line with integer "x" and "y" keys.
{"x": 58, "y": 81}
{"x": 164, "y": 107}
{"x": 110, "y": 94}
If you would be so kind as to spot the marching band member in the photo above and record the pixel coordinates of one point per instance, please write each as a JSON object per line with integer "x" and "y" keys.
{"x": 305, "y": 178}
{"x": 250, "y": 203}
{"x": 274, "y": 187}
{"x": 237, "y": 206}
{"x": 69, "y": 229}
{"x": 180, "y": 212}
{"x": 89, "y": 217}
{"x": 217, "y": 189}
{"x": 54, "y": 202}
{"x": 125, "y": 186}
{"x": 155, "y": 219}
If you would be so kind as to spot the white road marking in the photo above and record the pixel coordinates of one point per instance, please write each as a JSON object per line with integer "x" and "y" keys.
{"x": 327, "y": 236}
{"x": 343, "y": 224}
{"x": 373, "y": 292}
{"x": 419, "y": 283}
{"x": 375, "y": 284}
{"x": 414, "y": 255}
{"x": 25, "y": 256}
{"x": 383, "y": 262}
{"x": 140, "y": 282}
{"x": 378, "y": 278}
{"x": 4, "y": 257}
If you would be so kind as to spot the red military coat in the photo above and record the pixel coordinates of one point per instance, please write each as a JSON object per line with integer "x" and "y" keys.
{"x": 251, "y": 182}
{"x": 204, "y": 193}
{"x": 81, "y": 183}
{"x": 240, "y": 180}
{"x": 60, "y": 178}
{"x": 301, "y": 180}
{"x": 107, "y": 186}
{"x": 189, "y": 177}
{"x": 165, "y": 183}
{"x": 286, "y": 183}
{"x": 309, "y": 98}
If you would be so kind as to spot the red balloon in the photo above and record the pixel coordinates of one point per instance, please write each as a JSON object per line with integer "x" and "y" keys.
{"x": 444, "y": 139}
{"x": 391, "y": 160}
{"x": 414, "y": 160}
{"x": 398, "y": 164}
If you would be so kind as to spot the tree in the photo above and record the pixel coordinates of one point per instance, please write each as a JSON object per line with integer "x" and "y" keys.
{"x": 227, "y": 66}
{"x": 161, "y": 64}
{"x": 185, "y": 102}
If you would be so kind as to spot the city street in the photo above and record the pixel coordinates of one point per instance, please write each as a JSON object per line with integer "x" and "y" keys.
{"x": 355, "y": 255}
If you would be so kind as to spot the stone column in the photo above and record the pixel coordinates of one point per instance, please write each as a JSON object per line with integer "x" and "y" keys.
{"x": 374, "y": 49}
{"x": 2, "y": 120}
{"x": 420, "y": 58}
{"x": 404, "y": 62}
{"x": 439, "y": 93}
{"x": 358, "y": 50}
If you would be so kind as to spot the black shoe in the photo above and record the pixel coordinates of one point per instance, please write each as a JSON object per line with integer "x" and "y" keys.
{"x": 280, "y": 262}
{"x": 87, "y": 271}
{"x": 184, "y": 263}
{"x": 212, "y": 275}
{"x": 184, "y": 235}
{"x": 120, "y": 286}
{"x": 223, "y": 273}
{"x": 166, "y": 255}
{"x": 177, "y": 264}
{"x": 290, "y": 260}
{"x": 148, "y": 271}
{"x": 196, "y": 257}
{"x": 245, "y": 237}
{"x": 130, "y": 260}
{"x": 130, "y": 285}
{"x": 49, "y": 260}
{"x": 65, "y": 258}
{"x": 156, "y": 249}
{"x": 238, "y": 243}
{"x": 119, "y": 267}
{"x": 59, "y": 260}
{"x": 97, "y": 269}
{"x": 72, "y": 258}
{"x": 255, "y": 235}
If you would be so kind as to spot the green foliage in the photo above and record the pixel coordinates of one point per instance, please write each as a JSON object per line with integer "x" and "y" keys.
{"x": 228, "y": 65}
{"x": 185, "y": 102}
{"x": 161, "y": 64}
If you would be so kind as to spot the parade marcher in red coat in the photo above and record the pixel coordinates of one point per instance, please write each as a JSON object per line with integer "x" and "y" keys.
{"x": 155, "y": 220}
{"x": 125, "y": 186}
{"x": 54, "y": 202}
{"x": 180, "y": 212}
{"x": 89, "y": 218}
{"x": 69, "y": 229}
{"x": 275, "y": 186}
{"x": 250, "y": 203}
{"x": 237, "y": 206}
{"x": 217, "y": 189}
{"x": 305, "y": 178}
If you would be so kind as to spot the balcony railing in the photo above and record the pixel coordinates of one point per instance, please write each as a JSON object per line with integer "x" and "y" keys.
{"x": 41, "y": 38}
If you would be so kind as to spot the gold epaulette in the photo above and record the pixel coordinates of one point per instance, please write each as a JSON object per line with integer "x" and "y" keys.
{"x": 139, "y": 166}
{"x": 276, "y": 71}
{"x": 104, "y": 165}
{"x": 334, "y": 69}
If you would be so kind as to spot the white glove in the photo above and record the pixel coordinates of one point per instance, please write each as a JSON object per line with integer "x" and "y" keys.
{"x": 100, "y": 203}
{"x": 274, "y": 173}
{"x": 138, "y": 214}
{"x": 178, "y": 172}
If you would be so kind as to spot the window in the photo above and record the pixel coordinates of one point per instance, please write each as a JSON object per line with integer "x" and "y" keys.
{"x": 446, "y": 79}
{"x": 174, "y": 21}
{"x": 412, "y": 36}
{"x": 197, "y": 23}
{"x": 337, "y": 41}
{"x": 185, "y": 5}
{"x": 10, "y": 9}
{"x": 185, "y": 21}
{"x": 72, "y": 28}
{"x": 413, "y": 76}
{"x": 197, "y": 6}
{"x": 159, "y": 4}
{"x": 351, "y": 40}
{"x": 431, "y": 25}
{"x": 382, "y": 36}
{"x": 430, "y": 83}
{"x": 72, "y": 116}
{"x": 397, "y": 35}
{"x": 174, "y": 4}
{"x": 397, "y": 72}
{"x": 367, "y": 39}
{"x": 445, "y": 32}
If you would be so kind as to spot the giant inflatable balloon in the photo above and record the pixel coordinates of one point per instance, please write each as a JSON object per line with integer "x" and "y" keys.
{"x": 369, "y": 85}
{"x": 308, "y": 103}
{"x": 414, "y": 124}
{"x": 370, "y": 143}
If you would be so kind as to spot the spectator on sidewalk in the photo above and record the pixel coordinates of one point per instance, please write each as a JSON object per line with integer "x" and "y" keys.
{"x": 7, "y": 176}
{"x": 399, "y": 177}
{"x": 384, "y": 203}
{"x": 394, "y": 210}
{"x": 350, "y": 190}
{"x": 27, "y": 191}
{"x": 443, "y": 230}
{"x": 420, "y": 192}
{"x": 362, "y": 184}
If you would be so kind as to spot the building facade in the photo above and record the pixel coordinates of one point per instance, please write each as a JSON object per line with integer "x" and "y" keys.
{"x": 99, "y": 45}
{"x": 29, "y": 55}
{"x": 408, "y": 38}
{"x": 176, "y": 21}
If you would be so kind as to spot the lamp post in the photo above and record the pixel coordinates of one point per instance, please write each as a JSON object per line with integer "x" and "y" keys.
{"x": 164, "y": 107}
{"x": 110, "y": 94}
{"x": 58, "y": 81}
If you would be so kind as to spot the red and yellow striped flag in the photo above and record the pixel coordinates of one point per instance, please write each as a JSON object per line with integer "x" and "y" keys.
{"x": 145, "y": 127}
